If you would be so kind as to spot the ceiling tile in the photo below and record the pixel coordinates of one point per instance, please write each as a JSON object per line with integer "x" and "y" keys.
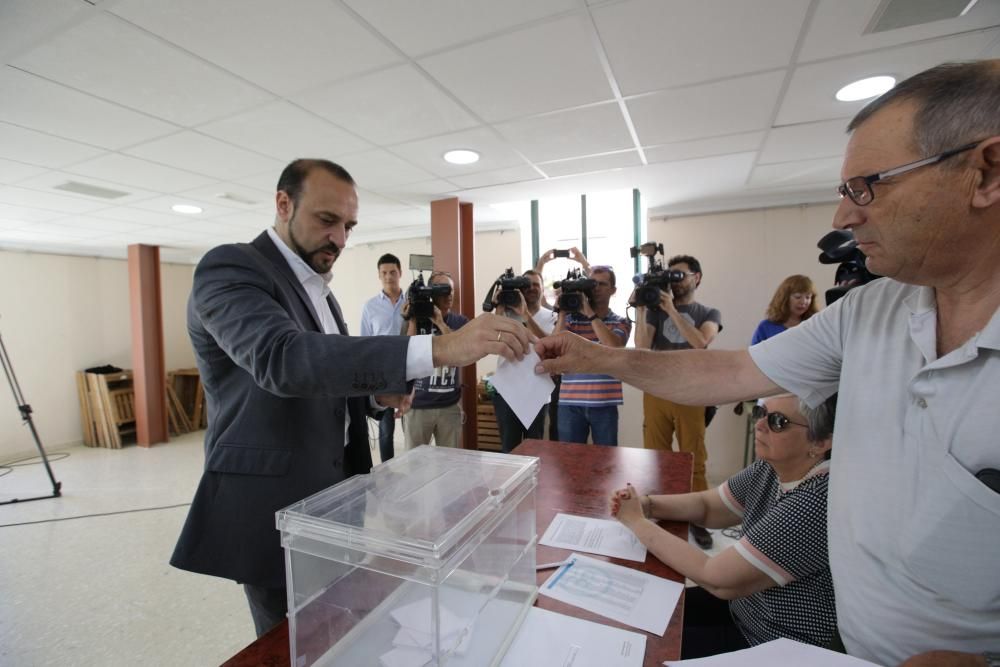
{"x": 730, "y": 107}
{"x": 370, "y": 106}
{"x": 419, "y": 27}
{"x": 497, "y": 177}
{"x": 249, "y": 224}
{"x": 594, "y": 129}
{"x": 805, "y": 141}
{"x": 805, "y": 172}
{"x": 48, "y": 182}
{"x": 429, "y": 153}
{"x": 233, "y": 195}
{"x": 26, "y": 214}
{"x": 838, "y": 28}
{"x": 370, "y": 203}
{"x": 283, "y": 47}
{"x": 116, "y": 61}
{"x": 163, "y": 204}
{"x": 22, "y": 145}
{"x": 592, "y": 163}
{"x": 653, "y": 44}
{"x": 11, "y": 172}
{"x": 205, "y": 155}
{"x": 687, "y": 150}
{"x": 26, "y": 23}
{"x": 422, "y": 192}
{"x": 542, "y": 68}
{"x": 30, "y": 101}
{"x": 380, "y": 169}
{"x": 96, "y": 225}
{"x": 16, "y": 196}
{"x": 810, "y": 94}
{"x": 58, "y": 232}
{"x": 142, "y": 217}
{"x": 284, "y": 131}
{"x": 139, "y": 173}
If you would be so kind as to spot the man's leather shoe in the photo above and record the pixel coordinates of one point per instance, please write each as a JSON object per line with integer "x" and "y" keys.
{"x": 702, "y": 537}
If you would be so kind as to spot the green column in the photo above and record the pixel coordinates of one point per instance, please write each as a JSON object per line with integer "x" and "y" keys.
{"x": 583, "y": 224}
{"x": 535, "y": 252}
{"x": 636, "y": 225}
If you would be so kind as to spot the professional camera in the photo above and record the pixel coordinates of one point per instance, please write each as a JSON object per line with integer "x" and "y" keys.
{"x": 510, "y": 287}
{"x": 573, "y": 290}
{"x": 649, "y": 285}
{"x": 840, "y": 247}
{"x": 421, "y": 297}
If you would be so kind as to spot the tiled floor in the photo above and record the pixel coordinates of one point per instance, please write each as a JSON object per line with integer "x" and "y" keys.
{"x": 85, "y": 578}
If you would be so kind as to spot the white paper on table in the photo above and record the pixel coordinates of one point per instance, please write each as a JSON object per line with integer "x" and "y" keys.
{"x": 417, "y": 616}
{"x": 620, "y": 593}
{"x": 525, "y": 391}
{"x": 607, "y": 537}
{"x": 777, "y": 653}
{"x": 548, "y": 638}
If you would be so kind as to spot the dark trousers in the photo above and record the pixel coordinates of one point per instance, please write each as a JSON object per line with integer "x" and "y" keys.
{"x": 268, "y": 606}
{"x": 554, "y": 409}
{"x": 600, "y": 424}
{"x": 386, "y": 430}
{"x": 709, "y": 628}
{"x": 512, "y": 431}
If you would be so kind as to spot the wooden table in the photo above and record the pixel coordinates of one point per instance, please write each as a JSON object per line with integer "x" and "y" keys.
{"x": 575, "y": 479}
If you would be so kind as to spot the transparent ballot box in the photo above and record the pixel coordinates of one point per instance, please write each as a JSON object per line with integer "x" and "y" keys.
{"x": 427, "y": 560}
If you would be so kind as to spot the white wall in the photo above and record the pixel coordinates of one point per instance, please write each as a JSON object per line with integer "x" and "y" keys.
{"x": 60, "y": 314}
{"x": 744, "y": 256}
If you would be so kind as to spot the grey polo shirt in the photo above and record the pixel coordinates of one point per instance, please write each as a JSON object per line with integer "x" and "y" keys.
{"x": 914, "y": 536}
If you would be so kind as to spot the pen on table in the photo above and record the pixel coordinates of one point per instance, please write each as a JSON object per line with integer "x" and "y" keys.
{"x": 549, "y": 566}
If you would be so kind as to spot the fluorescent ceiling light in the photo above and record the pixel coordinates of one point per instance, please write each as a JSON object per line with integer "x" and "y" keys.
{"x": 461, "y": 156}
{"x": 865, "y": 88}
{"x": 188, "y": 209}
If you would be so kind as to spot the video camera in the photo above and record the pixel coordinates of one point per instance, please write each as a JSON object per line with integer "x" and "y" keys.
{"x": 840, "y": 246}
{"x": 510, "y": 287}
{"x": 650, "y": 285}
{"x": 419, "y": 294}
{"x": 573, "y": 290}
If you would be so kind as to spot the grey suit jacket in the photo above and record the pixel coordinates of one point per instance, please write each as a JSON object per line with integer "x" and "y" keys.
{"x": 276, "y": 391}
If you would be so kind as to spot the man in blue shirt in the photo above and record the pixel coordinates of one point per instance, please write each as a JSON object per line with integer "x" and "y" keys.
{"x": 382, "y": 316}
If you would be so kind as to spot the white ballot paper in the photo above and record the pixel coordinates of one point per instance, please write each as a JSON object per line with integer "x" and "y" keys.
{"x": 524, "y": 390}
{"x": 620, "y": 593}
{"x": 607, "y": 537}
{"x": 548, "y": 638}
{"x": 777, "y": 653}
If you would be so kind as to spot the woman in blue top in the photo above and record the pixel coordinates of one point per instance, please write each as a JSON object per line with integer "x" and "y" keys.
{"x": 793, "y": 302}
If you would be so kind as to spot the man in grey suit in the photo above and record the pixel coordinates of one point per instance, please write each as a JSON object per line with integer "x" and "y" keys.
{"x": 286, "y": 388}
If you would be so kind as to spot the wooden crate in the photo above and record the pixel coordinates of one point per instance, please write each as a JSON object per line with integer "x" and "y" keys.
{"x": 107, "y": 408}
{"x": 186, "y": 384}
{"x": 486, "y": 420}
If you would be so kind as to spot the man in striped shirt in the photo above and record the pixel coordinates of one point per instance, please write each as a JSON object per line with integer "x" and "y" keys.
{"x": 588, "y": 403}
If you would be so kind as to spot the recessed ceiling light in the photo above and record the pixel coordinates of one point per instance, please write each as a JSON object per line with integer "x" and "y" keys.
{"x": 864, "y": 89}
{"x": 188, "y": 209}
{"x": 461, "y": 156}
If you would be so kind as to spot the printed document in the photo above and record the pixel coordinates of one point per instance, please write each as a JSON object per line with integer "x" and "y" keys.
{"x": 548, "y": 638}
{"x": 777, "y": 653}
{"x": 607, "y": 537}
{"x": 620, "y": 593}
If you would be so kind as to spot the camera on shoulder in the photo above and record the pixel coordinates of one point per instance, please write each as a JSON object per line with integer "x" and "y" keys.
{"x": 420, "y": 295}
{"x": 573, "y": 290}
{"x": 509, "y": 286}
{"x": 650, "y": 285}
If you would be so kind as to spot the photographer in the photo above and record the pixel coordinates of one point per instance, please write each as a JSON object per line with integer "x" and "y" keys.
{"x": 436, "y": 410}
{"x": 678, "y": 323}
{"x": 540, "y": 321}
{"x": 588, "y": 403}
{"x": 574, "y": 255}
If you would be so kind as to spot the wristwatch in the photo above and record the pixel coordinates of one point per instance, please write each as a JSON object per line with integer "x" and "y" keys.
{"x": 592, "y": 317}
{"x": 992, "y": 658}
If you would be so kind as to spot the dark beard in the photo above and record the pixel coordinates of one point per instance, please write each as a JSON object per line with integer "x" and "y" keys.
{"x": 308, "y": 256}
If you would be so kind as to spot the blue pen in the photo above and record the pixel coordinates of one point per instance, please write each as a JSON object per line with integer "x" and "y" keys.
{"x": 561, "y": 572}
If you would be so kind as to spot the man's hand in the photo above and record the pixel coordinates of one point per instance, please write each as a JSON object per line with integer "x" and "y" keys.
{"x": 487, "y": 334}
{"x": 581, "y": 259}
{"x": 666, "y": 300}
{"x": 566, "y": 352}
{"x": 401, "y": 403}
{"x": 945, "y": 659}
{"x": 585, "y": 309}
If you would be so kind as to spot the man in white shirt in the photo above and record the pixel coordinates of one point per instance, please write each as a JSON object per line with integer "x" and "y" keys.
{"x": 286, "y": 387}
{"x": 382, "y": 315}
{"x": 914, "y": 515}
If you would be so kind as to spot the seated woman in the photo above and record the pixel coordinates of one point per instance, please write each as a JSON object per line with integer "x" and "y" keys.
{"x": 793, "y": 302}
{"x": 777, "y": 577}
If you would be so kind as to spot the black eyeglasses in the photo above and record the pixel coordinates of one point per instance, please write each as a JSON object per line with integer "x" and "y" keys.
{"x": 859, "y": 188}
{"x": 776, "y": 421}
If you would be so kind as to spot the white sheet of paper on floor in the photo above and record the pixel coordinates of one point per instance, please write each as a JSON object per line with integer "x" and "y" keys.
{"x": 525, "y": 391}
{"x": 777, "y": 653}
{"x": 548, "y": 638}
{"x": 607, "y": 537}
{"x": 632, "y": 597}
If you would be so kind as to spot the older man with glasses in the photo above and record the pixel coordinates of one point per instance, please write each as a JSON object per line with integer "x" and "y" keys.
{"x": 914, "y": 519}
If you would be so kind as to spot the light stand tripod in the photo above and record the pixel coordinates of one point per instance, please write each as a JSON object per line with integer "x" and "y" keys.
{"x": 25, "y": 410}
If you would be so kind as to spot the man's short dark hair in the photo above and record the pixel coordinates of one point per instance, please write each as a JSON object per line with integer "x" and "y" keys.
{"x": 606, "y": 269}
{"x": 956, "y": 103}
{"x": 294, "y": 175}
{"x": 389, "y": 258}
{"x": 692, "y": 263}
{"x": 531, "y": 272}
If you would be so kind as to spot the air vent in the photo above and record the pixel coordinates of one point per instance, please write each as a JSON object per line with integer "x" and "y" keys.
{"x": 91, "y": 190}
{"x": 239, "y": 199}
{"x": 892, "y": 14}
